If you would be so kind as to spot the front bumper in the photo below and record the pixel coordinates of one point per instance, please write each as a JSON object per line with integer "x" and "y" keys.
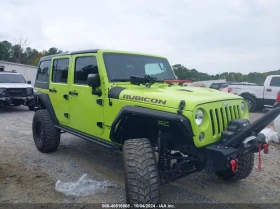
{"x": 220, "y": 154}
{"x": 219, "y": 157}
{"x": 28, "y": 100}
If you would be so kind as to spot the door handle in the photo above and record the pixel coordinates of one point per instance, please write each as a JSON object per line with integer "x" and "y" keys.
{"x": 52, "y": 90}
{"x": 268, "y": 89}
{"x": 73, "y": 93}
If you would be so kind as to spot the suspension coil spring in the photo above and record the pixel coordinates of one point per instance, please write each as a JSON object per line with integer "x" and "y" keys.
{"x": 164, "y": 161}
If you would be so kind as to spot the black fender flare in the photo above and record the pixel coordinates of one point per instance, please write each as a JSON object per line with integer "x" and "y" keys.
{"x": 181, "y": 120}
{"x": 45, "y": 99}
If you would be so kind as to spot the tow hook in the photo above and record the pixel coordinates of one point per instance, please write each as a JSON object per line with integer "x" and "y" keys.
{"x": 265, "y": 151}
{"x": 234, "y": 165}
{"x": 265, "y": 148}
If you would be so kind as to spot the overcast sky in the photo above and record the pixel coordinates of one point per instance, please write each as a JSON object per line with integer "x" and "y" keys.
{"x": 211, "y": 36}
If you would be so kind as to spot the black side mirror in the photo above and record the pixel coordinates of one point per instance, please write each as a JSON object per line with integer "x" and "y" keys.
{"x": 93, "y": 80}
{"x": 28, "y": 82}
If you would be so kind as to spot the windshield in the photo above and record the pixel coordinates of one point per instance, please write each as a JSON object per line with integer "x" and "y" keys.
{"x": 11, "y": 78}
{"x": 121, "y": 66}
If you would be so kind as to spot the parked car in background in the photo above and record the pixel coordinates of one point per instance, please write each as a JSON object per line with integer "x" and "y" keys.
{"x": 15, "y": 91}
{"x": 198, "y": 85}
{"x": 258, "y": 96}
{"x": 243, "y": 83}
{"x": 221, "y": 87}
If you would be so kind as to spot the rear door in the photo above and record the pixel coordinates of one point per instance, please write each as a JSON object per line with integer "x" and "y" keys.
{"x": 59, "y": 88}
{"x": 270, "y": 90}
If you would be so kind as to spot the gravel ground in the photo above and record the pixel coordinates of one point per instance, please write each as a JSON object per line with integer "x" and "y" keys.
{"x": 28, "y": 176}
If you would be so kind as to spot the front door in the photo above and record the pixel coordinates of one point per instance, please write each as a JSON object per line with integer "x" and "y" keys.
{"x": 85, "y": 112}
{"x": 59, "y": 88}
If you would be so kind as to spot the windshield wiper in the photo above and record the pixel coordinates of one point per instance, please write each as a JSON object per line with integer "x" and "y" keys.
{"x": 148, "y": 80}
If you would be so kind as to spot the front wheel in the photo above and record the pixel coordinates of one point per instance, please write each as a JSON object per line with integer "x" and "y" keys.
{"x": 142, "y": 181}
{"x": 245, "y": 167}
{"x": 45, "y": 135}
{"x": 251, "y": 102}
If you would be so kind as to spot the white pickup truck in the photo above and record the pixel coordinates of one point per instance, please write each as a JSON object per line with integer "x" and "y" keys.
{"x": 258, "y": 96}
{"x": 15, "y": 91}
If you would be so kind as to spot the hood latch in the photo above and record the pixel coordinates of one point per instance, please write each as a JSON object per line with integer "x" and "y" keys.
{"x": 181, "y": 106}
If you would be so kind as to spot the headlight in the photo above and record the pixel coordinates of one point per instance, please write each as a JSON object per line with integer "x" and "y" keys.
{"x": 199, "y": 116}
{"x": 2, "y": 92}
{"x": 242, "y": 108}
{"x": 29, "y": 91}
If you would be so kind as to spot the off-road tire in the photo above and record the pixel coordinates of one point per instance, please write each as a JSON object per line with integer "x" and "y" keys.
{"x": 45, "y": 135}
{"x": 245, "y": 167}
{"x": 142, "y": 182}
{"x": 252, "y": 100}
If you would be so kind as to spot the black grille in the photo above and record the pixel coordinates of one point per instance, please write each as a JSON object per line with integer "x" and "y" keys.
{"x": 220, "y": 117}
{"x": 16, "y": 92}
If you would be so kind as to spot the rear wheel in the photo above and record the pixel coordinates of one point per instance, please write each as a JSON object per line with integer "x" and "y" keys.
{"x": 141, "y": 172}
{"x": 245, "y": 167}
{"x": 45, "y": 135}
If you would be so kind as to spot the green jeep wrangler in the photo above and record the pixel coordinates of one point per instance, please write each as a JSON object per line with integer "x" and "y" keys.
{"x": 132, "y": 103}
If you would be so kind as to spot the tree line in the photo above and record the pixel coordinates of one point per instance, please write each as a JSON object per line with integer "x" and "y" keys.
{"x": 22, "y": 53}
{"x": 254, "y": 77}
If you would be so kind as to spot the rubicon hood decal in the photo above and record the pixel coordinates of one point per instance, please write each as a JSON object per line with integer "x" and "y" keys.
{"x": 145, "y": 99}
{"x": 171, "y": 96}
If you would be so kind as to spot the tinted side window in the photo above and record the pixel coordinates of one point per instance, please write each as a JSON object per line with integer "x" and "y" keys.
{"x": 275, "y": 81}
{"x": 215, "y": 86}
{"x": 224, "y": 86}
{"x": 44, "y": 71}
{"x": 83, "y": 67}
{"x": 60, "y": 70}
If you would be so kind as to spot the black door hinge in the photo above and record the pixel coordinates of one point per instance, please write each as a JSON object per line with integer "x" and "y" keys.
{"x": 110, "y": 102}
{"x": 100, "y": 124}
{"x": 181, "y": 106}
{"x": 65, "y": 96}
{"x": 66, "y": 115}
{"x": 99, "y": 101}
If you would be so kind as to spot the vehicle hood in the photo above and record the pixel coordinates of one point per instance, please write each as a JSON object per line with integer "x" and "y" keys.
{"x": 170, "y": 96}
{"x": 15, "y": 85}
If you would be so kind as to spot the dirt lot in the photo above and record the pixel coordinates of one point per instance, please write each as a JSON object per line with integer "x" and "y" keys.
{"x": 28, "y": 176}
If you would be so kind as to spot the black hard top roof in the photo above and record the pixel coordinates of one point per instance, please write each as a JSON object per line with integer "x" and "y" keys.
{"x": 69, "y": 53}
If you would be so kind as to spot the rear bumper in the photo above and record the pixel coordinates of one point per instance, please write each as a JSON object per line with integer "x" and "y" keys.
{"x": 249, "y": 139}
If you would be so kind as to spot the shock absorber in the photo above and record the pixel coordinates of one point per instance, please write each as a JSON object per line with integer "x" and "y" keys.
{"x": 164, "y": 152}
